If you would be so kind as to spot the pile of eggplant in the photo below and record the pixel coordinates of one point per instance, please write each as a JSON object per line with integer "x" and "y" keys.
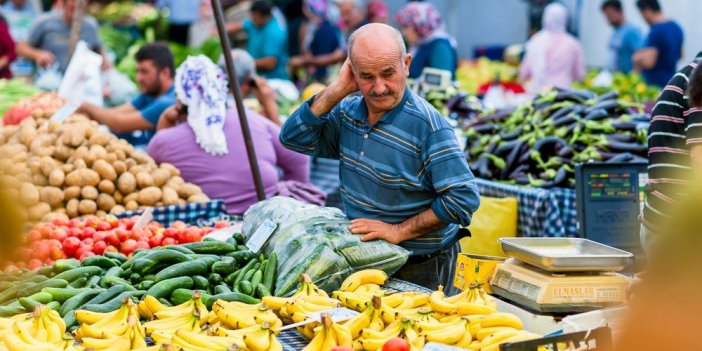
{"x": 539, "y": 143}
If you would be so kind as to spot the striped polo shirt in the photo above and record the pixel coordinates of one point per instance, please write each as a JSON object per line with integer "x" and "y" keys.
{"x": 407, "y": 162}
{"x": 675, "y": 126}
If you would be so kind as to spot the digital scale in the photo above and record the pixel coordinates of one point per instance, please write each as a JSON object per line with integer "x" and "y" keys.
{"x": 561, "y": 275}
{"x": 433, "y": 79}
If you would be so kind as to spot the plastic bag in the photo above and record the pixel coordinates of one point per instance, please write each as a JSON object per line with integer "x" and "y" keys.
{"x": 496, "y": 218}
{"x": 82, "y": 81}
{"x": 121, "y": 89}
{"x": 49, "y": 79}
{"x": 316, "y": 240}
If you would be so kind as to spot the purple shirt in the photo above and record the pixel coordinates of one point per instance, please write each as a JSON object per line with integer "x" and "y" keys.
{"x": 228, "y": 177}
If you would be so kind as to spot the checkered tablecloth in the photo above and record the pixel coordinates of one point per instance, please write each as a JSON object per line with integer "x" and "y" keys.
{"x": 293, "y": 341}
{"x": 189, "y": 213}
{"x": 542, "y": 212}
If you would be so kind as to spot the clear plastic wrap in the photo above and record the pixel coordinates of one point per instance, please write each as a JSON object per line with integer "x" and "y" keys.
{"x": 316, "y": 240}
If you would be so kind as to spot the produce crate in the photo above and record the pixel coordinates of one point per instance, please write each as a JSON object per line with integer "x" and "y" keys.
{"x": 192, "y": 213}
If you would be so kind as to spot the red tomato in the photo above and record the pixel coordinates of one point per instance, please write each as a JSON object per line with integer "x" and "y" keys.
{"x": 24, "y": 254}
{"x": 89, "y": 241}
{"x": 70, "y": 245}
{"x": 45, "y": 230}
{"x": 59, "y": 234}
{"x": 191, "y": 235}
{"x": 222, "y": 224}
{"x": 103, "y": 226}
{"x": 92, "y": 222}
{"x": 112, "y": 221}
{"x": 129, "y": 223}
{"x": 33, "y": 235}
{"x": 88, "y": 232}
{"x": 85, "y": 255}
{"x": 122, "y": 234}
{"x": 168, "y": 241}
{"x": 179, "y": 225}
{"x": 53, "y": 243}
{"x": 396, "y": 344}
{"x": 142, "y": 244}
{"x": 155, "y": 240}
{"x": 59, "y": 222}
{"x": 57, "y": 254}
{"x": 110, "y": 248}
{"x": 342, "y": 348}
{"x": 21, "y": 265}
{"x": 41, "y": 250}
{"x": 100, "y": 236}
{"x": 82, "y": 250}
{"x": 74, "y": 232}
{"x": 170, "y": 233}
{"x": 112, "y": 239}
{"x": 35, "y": 263}
{"x": 99, "y": 247}
{"x": 138, "y": 234}
{"x": 74, "y": 223}
{"x": 128, "y": 246}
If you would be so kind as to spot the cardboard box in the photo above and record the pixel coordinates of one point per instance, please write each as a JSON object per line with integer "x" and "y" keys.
{"x": 475, "y": 268}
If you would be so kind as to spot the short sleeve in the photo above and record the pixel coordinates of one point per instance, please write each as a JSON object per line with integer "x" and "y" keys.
{"x": 632, "y": 39}
{"x": 90, "y": 34}
{"x": 247, "y": 25}
{"x": 36, "y": 33}
{"x": 655, "y": 39}
{"x": 139, "y": 101}
{"x": 153, "y": 112}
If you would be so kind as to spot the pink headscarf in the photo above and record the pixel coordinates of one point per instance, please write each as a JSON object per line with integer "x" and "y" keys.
{"x": 377, "y": 9}
{"x": 423, "y": 17}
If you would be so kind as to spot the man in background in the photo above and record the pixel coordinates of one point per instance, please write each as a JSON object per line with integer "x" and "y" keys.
{"x": 625, "y": 40}
{"x": 182, "y": 14}
{"x": 353, "y": 14}
{"x": 663, "y": 47}
{"x": 137, "y": 121}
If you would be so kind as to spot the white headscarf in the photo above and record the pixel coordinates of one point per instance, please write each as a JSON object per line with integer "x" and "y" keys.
{"x": 202, "y": 86}
{"x": 547, "y": 41}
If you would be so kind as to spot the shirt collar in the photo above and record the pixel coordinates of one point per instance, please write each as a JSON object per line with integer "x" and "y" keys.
{"x": 362, "y": 114}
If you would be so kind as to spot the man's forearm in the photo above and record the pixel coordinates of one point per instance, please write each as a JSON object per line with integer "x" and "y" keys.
{"x": 327, "y": 99}
{"x": 329, "y": 59}
{"x": 424, "y": 223}
{"x": 99, "y": 114}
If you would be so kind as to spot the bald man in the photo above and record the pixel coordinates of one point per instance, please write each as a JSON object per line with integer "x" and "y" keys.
{"x": 403, "y": 176}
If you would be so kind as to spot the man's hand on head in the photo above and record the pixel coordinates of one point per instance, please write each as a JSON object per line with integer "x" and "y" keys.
{"x": 371, "y": 229}
{"x": 346, "y": 82}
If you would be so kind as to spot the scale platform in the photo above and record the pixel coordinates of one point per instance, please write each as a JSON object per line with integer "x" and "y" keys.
{"x": 550, "y": 292}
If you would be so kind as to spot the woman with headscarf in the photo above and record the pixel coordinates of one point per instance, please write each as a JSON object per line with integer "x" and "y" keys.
{"x": 377, "y": 12}
{"x": 430, "y": 45}
{"x": 321, "y": 44}
{"x": 553, "y": 57}
{"x": 203, "y": 139}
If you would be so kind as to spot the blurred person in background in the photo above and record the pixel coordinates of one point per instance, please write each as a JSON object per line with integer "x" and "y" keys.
{"x": 553, "y": 57}
{"x": 7, "y": 50}
{"x": 430, "y": 45}
{"x": 663, "y": 47}
{"x": 353, "y": 15}
{"x": 136, "y": 121}
{"x": 250, "y": 83}
{"x": 203, "y": 139}
{"x": 267, "y": 40}
{"x": 182, "y": 14}
{"x": 322, "y": 45}
{"x": 19, "y": 15}
{"x": 48, "y": 38}
{"x": 377, "y": 12}
{"x": 674, "y": 148}
{"x": 625, "y": 40}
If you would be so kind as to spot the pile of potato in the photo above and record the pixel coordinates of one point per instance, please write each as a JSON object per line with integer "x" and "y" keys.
{"x": 73, "y": 168}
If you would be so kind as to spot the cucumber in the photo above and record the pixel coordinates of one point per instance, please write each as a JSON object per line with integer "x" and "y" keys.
{"x": 116, "y": 281}
{"x": 249, "y": 274}
{"x": 5, "y": 285}
{"x": 12, "y": 309}
{"x": 37, "y": 279}
{"x": 65, "y": 264}
{"x": 290, "y": 284}
{"x": 262, "y": 291}
{"x": 256, "y": 279}
{"x": 116, "y": 256}
{"x": 232, "y": 277}
{"x": 135, "y": 278}
{"x": 146, "y": 284}
{"x": 241, "y": 256}
{"x": 51, "y": 283}
{"x": 222, "y": 288}
{"x": 94, "y": 281}
{"x": 200, "y": 283}
{"x": 45, "y": 271}
{"x": 243, "y": 272}
{"x": 150, "y": 277}
{"x": 209, "y": 259}
{"x": 80, "y": 282}
{"x": 37, "y": 299}
{"x": 98, "y": 261}
{"x": 113, "y": 303}
{"x": 214, "y": 279}
{"x": 11, "y": 293}
{"x": 245, "y": 287}
{"x": 111, "y": 273}
{"x": 239, "y": 238}
{"x": 164, "y": 288}
{"x": 179, "y": 248}
{"x": 78, "y": 300}
{"x": 76, "y": 273}
{"x": 180, "y": 296}
{"x": 63, "y": 294}
{"x": 211, "y": 247}
{"x": 107, "y": 295}
{"x": 230, "y": 297}
{"x": 242, "y": 247}
{"x": 70, "y": 320}
{"x": 147, "y": 263}
{"x": 191, "y": 268}
{"x": 54, "y": 305}
{"x": 270, "y": 272}
{"x": 261, "y": 258}
{"x": 224, "y": 268}
{"x": 165, "y": 302}
{"x": 231, "y": 240}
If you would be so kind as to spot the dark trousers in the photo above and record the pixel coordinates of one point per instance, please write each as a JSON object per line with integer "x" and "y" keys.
{"x": 433, "y": 270}
{"x": 178, "y": 33}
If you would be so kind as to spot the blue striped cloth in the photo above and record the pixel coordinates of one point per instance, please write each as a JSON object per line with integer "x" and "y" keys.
{"x": 191, "y": 213}
{"x": 542, "y": 212}
{"x": 406, "y": 163}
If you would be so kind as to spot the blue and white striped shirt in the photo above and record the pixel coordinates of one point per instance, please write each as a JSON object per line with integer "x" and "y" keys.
{"x": 407, "y": 162}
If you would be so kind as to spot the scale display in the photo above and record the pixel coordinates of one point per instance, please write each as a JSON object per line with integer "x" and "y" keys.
{"x": 604, "y": 186}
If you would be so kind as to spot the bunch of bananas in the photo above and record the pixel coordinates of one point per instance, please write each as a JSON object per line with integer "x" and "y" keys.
{"x": 364, "y": 277}
{"x": 190, "y": 316}
{"x": 368, "y": 319}
{"x": 451, "y": 332}
{"x": 255, "y": 338}
{"x": 237, "y": 315}
{"x": 472, "y": 301}
{"x": 329, "y": 335}
{"x": 132, "y": 337}
{"x": 371, "y": 340}
{"x": 41, "y": 330}
{"x": 195, "y": 341}
{"x": 306, "y": 288}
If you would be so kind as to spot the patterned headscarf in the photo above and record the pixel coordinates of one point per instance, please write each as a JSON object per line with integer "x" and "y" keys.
{"x": 377, "y": 9}
{"x": 423, "y": 17}
{"x": 201, "y": 85}
{"x": 319, "y": 8}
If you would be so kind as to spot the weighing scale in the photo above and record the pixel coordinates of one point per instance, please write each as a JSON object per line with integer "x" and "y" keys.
{"x": 432, "y": 79}
{"x": 561, "y": 275}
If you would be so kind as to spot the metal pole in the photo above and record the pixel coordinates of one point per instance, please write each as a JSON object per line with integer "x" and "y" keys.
{"x": 234, "y": 85}
{"x": 76, "y": 25}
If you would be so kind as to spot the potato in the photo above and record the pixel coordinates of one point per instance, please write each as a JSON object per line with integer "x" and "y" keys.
{"x": 25, "y": 178}
{"x": 137, "y": 169}
{"x": 27, "y": 134}
{"x": 52, "y": 195}
{"x": 105, "y": 170}
{"x": 80, "y": 164}
{"x": 47, "y": 165}
{"x": 57, "y": 177}
{"x": 160, "y": 177}
{"x": 117, "y": 209}
{"x": 120, "y": 166}
{"x": 89, "y": 193}
{"x": 38, "y": 211}
{"x": 131, "y": 197}
{"x": 67, "y": 168}
{"x": 72, "y": 192}
{"x": 187, "y": 190}
{"x": 175, "y": 182}
{"x": 107, "y": 187}
{"x": 131, "y": 206}
{"x": 62, "y": 153}
{"x": 29, "y": 194}
{"x": 87, "y": 207}
{"x": 144, "y": 180}
{"x": 99, "y": 152}
{"x": 83, "y": 177}
{"x": 170, "y": 169}
{"x": 9, "y": 182}
{"x": 130, "y": 163}
{"x": 182, "y": 202}
{"x": 105, "y": 202}
{"x": 126, "y": 184}
{"x": 37, "y": 179}
{"x": 120, "y": 154}
{"x": 170, "y": 196}
{"x": 119, "y": 198}
{"x": 141, "y": 157}
{"x": 111, "y": 158}
{"x": 100, "y": 213}
{"x": 75, "y": 135}
{"x": 100, "y": 138}
{"x": 52, "y": 216}
{"x": 198, "y": 198}
{"x": 149, "y": 196}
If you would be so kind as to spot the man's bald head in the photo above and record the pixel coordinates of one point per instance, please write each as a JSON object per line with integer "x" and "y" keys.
{"x": 376, "y": 39}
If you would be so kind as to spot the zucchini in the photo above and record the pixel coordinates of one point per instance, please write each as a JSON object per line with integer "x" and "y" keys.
{"x": 51, "y": 283}
{"x": 76, "y": 273}
{"x": 116, "y": 256}
{"x": 200, "y": 283}
{"x": 245, "y": 287}
{"x": 262, "y": 291}
{"x": 256, "y": 279}
{"x": 107, "y": 295}
{"x": 111, "y": 273}
{"x": 78, "y": 300}
{"x": 211, "y": 247}
{"x": 230, "y": 297}
{"x": 114, "y": 303}
{"x": 98, "y": 261}
{"x": 65, "y": 264}
{"x": 80, "y": 282}
{"x": 63, "y": 294}
{"x": 191, "y": 268}
{"x": 179, "y": 296}
{"x": 30, "y": 302}
{"x": 164, "y": 288}
{"x": 179, "y": 248}
{"x": 222, "y": 288}
{"x": 147, "y": 263}
{"x": 270, "y": 272}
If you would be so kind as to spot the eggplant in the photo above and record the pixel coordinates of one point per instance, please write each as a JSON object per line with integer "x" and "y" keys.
{"x": 485, "y": 128}
{"x": 570, "y": 117}
{"x": 596, "y": 115}
{"x": 609, "y": 105}
{"x": 498, "y": 116}
{"x": 563, "y": 111}
{"x": 521, "y": 169}
{"x": 625, "y": 126}
{"x": 506, "y": 147}
{"x": 624, "y": 138}
{"x": 561, "y": 177}
{"x": 522, "y": 179}
{"x": 484, "y": 170}
{"x": 510, "y": 161}
{"x": 627, "y": 158}
{"x": 565, "y": 152}
{"x": 612, "y": 95}
{"x": 574, "y": 95}
{"x": 549, "y": 146}
{"x": 507, "y": 136}
{"x": 618, "y": 146}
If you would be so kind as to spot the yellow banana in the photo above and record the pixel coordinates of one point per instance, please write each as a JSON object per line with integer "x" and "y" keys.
{"x": 366, "y": 276}
{"x": 486, "y": 332}
{"x": 373, "y": 344}
{"x": 118, "y": 343}
{"x": 392, "y": 330}
{"x": 439, "y": 304}
{"x": 356, "y": 324}
{"x": 369, "y": 289}
{"x": 392, "y": 300}
{"x": 343, "y": 335}
{"x": 460, "y": 297}
{"x": 258, "y": 341}
{"x": 497, "y": 337}
{"x": 276, "y": 303}
{"x": 275, "y": 344}
{"x": 501, "y": 319}
{"x": 468, "y": 308}
{"x": 354, "y": 301}
{"x": 14, "y": 343}
{"x": 516, "y": 338}
{"x": 467, "y": 339}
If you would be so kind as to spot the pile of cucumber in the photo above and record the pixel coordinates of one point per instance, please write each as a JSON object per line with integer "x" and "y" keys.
{"x": 219, "y": 270}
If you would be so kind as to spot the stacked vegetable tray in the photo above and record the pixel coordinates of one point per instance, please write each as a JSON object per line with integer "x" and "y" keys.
{"x": 539, "y": 143}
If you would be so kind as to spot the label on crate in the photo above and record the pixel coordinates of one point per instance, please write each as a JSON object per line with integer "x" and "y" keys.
{"x": 259, "y": 238}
